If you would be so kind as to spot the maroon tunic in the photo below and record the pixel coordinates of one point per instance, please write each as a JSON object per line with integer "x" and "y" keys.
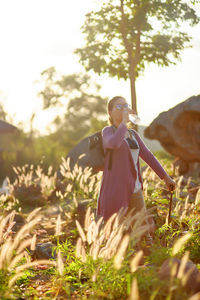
{"x": 118, "y": 183}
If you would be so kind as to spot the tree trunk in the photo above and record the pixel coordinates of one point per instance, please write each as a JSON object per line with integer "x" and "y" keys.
{"x": 133, "y": 90}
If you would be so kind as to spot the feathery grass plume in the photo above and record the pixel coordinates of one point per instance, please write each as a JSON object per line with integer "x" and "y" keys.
{"x": 15, "y": 261}
{"x": 180, "y": 242}
{"x": 14, "y": 279}
{"x": 186, "y": 202}
{"x": 145, "y": 187}
{"x": 178, "y": 191}
{"x": 197, "y": 198}
{"x": 94, "y": 276}
{"x": 180, "y": 181}
{"x": 80, "y": 230}
{"x": 98, "y": 226}
{"x": 95, "y": 250}
{"x": 140, "y": 218}
{"x": 4, "y": 252}
{"x": 121, "y": 252}
{"x": 3, "y": 222}
{"x": 183, "y": 263}
{"x": 134, "y": 290}
{"x": 83, "y": 254}
{"x": 58, "y": 226}
{"x": 108, "y": 225}
{"x": 33, "y": 243}
{"x": 75, "y": 201}
{"x": 136, "y": 260}
{"x": 112, "y": 245}
{"x": 186, "y": 276}
{"x": 33, "y": 214}
{"x": 69, "y": 188}
{"x": 174, "y": 268}
{"x": 24, "y": 244}
{"x": 35, "y": 263}
{"x": 24, "y": 231}
{"x": 87, "y": 218}
{"x": 60, "y": 264}
{"x": 78, "y": 247}
{"x": 136, "y": 235}
{"x": 91, "y": 237}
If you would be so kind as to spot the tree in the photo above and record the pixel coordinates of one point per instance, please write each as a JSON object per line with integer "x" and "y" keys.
{"x": 124, "y": 35}
{"x": 85, "y": 109}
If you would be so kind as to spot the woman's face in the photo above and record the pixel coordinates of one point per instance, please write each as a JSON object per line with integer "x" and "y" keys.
{"x": 116, "y": 112}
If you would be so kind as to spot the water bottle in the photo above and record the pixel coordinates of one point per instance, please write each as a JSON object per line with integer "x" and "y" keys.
{"x": 133, "y": 118}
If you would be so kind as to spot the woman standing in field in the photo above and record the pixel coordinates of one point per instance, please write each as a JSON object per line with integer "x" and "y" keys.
{"x": 122, "y": 182}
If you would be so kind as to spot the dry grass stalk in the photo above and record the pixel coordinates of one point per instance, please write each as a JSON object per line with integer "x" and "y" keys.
{"x": 33, "y": 214}
{"x": 91, "y": 234}
{"x": 183, "y": 263}
{"x": 108, "y": 225}
{"x": 8, "y": 259}
{"x": 19, "y": 270}
{"x": 180, "y": 242}
{"x": 81, "y": 232}
{"x": 197, "y": 198}
{"x": 78, "y": 247}
{"x": 60, "y": 264}
{"x": 174, "y": 268}
{"x": 87, "y": 218}
{"x": 58, "y": 226}
{"x": 134, "y": 290}
{"x": 35, "y": 263}
{"x": 186, "y": 276}
{"x": 24, "y": 244}
{"x": 33, "y": 243}
{"x": 121, "y": 252}
{"x": 4, "y": 220}
{"x": 136, "y": 260}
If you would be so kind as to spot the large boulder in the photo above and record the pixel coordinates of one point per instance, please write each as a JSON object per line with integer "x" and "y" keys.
{"x": 178, "y": 131}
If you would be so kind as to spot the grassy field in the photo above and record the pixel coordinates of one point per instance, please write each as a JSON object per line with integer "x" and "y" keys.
{"x": 85, "y": 259}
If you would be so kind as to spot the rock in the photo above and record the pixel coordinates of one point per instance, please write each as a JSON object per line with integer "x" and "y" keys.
{"x": 193, "y": 282}
{"x": 178, "y": 131}
{"x": 44, "y": 251}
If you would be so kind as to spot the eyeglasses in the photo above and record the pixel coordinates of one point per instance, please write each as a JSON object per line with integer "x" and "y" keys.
{"x": 120, "y": 106}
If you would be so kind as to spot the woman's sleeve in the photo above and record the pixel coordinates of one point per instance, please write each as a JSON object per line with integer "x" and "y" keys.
{"x": 113, "y": 139}
{"x": 149, "y": 158}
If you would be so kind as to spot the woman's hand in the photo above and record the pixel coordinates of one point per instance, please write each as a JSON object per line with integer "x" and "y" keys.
{"x": 171, "y": 184}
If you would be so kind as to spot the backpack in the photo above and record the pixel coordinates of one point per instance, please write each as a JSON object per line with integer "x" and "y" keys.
{"x": 90, "y": 153}
{"x": 97, "y": 155}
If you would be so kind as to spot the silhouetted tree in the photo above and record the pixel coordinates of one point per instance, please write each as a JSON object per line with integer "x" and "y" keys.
{"x": 124, "y": 35}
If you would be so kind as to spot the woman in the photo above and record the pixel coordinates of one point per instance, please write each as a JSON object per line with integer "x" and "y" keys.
{"x": 122, "y": 182}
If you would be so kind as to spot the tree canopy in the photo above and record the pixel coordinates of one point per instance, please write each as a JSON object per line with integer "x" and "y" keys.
{"x": 124, "y": 35}
{"x": 85, "y": 109}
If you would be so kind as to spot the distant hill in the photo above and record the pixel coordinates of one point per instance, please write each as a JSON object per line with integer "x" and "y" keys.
{"x": 153, "y": 145}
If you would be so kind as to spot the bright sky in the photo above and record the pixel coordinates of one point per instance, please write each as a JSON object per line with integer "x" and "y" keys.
{"x": 38, "y": 34}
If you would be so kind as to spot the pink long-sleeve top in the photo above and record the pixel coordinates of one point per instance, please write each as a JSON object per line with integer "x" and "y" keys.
{"x": 118, "y": 183}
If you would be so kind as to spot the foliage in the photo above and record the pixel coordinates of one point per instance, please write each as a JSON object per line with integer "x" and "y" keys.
{"x": 96, "y": 260}
{"x": 124, "y": 35}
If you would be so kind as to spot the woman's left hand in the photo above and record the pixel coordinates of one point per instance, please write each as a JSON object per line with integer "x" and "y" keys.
{"x": 171, "y": 184}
